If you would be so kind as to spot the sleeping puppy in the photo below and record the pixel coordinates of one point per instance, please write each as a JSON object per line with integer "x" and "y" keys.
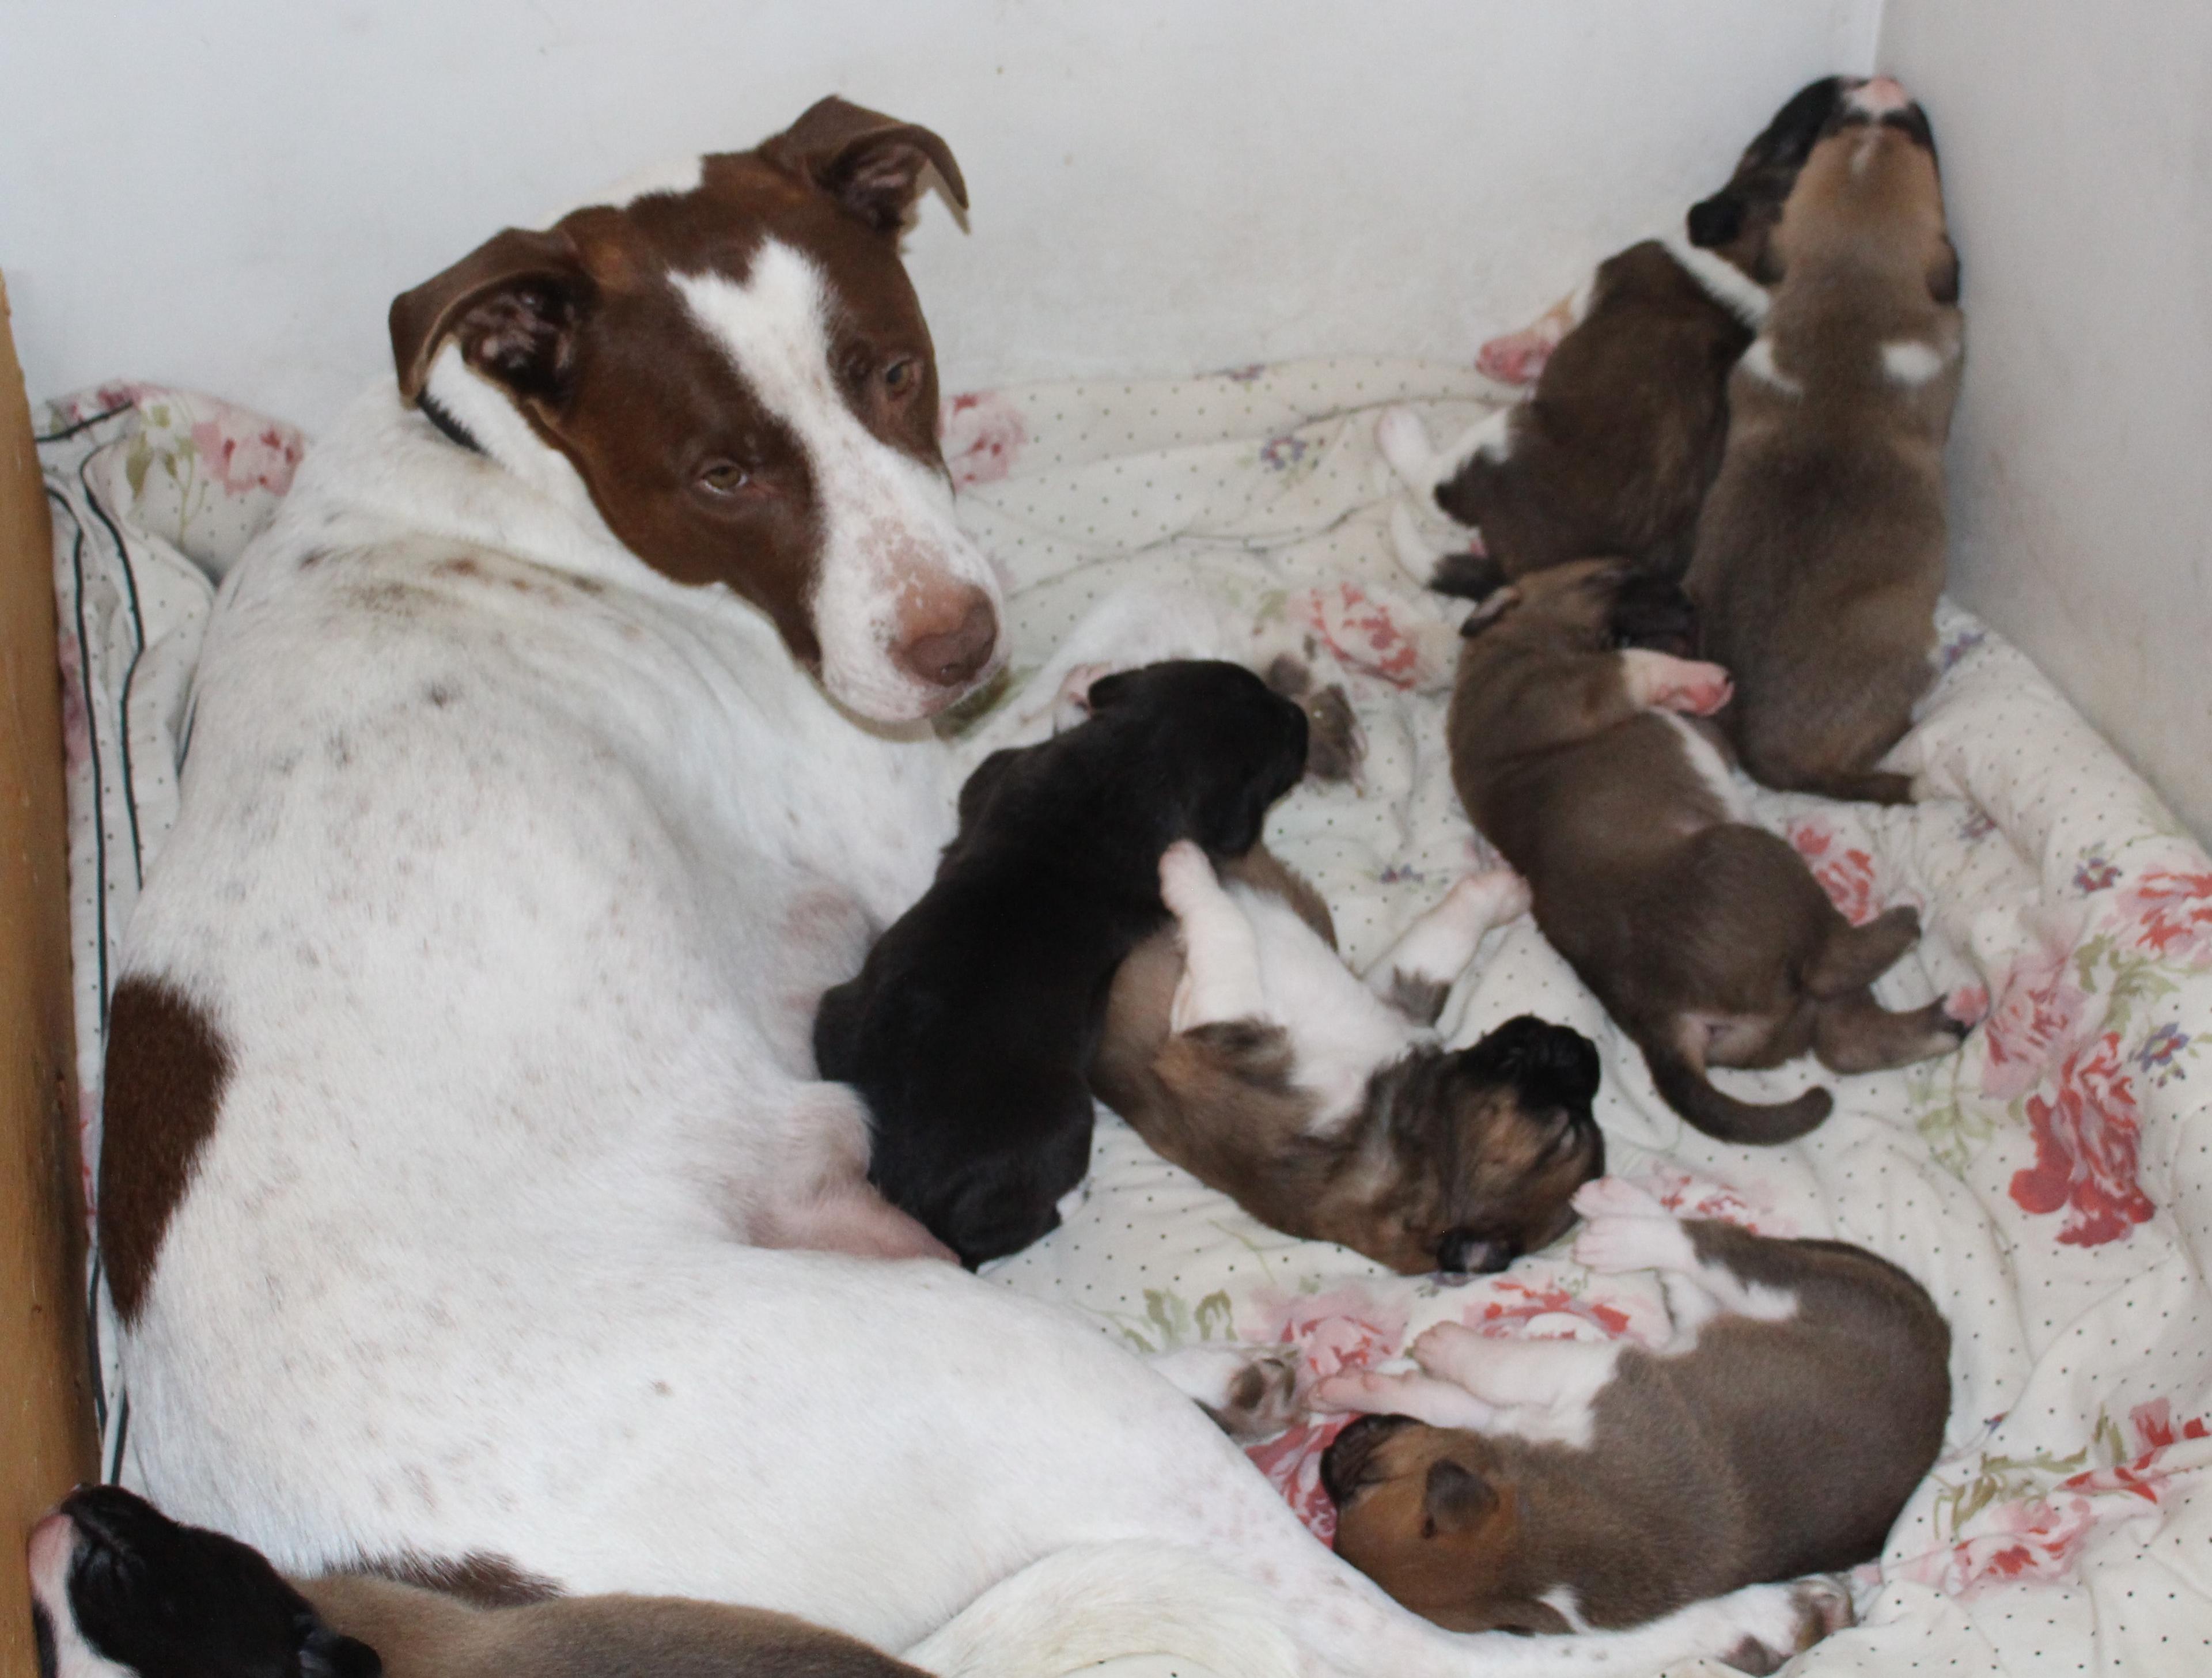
{"x": 1240, "y": 1046}
{"x": 1708, "y": 940}
{"x": 1819, "y": 556}
{"x": 1556, "y": 1486}
{"x": 969, "y": 1028}
{"x": 1612, "y": 451}
{"x": 118, "y": 1588}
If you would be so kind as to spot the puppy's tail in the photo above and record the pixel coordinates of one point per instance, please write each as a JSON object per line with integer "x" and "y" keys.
{"x": 1098, "y": 1602}
{"x": 1689, "y": 1093}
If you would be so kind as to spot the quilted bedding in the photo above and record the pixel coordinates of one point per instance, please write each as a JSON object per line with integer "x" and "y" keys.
{"x": 2051, "y": 1184}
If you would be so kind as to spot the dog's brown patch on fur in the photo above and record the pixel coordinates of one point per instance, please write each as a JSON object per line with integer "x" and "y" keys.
{"x": 166, "y": 1067}
{"x": 488, "y": 1580}
{"x": 1420, "y": 1000}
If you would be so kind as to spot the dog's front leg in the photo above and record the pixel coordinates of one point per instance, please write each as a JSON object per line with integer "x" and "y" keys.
{"x": 1415, "y": 973}
{"x": 1220, "y": 954}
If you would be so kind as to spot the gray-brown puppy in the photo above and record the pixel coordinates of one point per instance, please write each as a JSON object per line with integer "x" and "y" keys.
{"x": 1708, "y": 940}
{"x": 1820, "y": 552}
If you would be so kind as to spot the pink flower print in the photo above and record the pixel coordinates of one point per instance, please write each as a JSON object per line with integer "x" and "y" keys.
{"x": 244, "y": 460}
{"x": 1346, "y": 1327}
{"x": 2172, "y": 915}
{"x": 1518, "y": 1311}
{"x": 2038, "y": 1017}
{"x": 1361, "y": 631}
{"x": 983, "y": 437}
{"x": 2087, "y": 1141}
{"x": 2155, "y": 1429}
{"x": 1845, "y": 874}
{"x": 1688, "y": 1196}
{"x": 1292, "y": 1463}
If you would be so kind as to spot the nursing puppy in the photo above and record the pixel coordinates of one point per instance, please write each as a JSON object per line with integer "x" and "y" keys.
{"x": 116, "y": 1587}
{"x": 1707, "y": 940}
{"x": 1241, "y": 1046}
{"x": 1552, "y": 1486}
{"x": 1819, "y": 556}
{"x": 1612, "y": 451}
{"x": 969, "y": 1029}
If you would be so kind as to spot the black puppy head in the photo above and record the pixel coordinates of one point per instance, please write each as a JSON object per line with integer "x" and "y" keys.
{"x": 1516, "y": 1122}
{"x": 1735, "y": 220}
{"x": 1215, "y": 735}
{"x": 116, "y": 1582}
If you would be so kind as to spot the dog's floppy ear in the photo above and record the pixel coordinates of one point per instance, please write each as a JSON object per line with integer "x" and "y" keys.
{"x": 1455, "y": 1499}
{"x": 324, "y": 1653}
{"x": 1491, "y": 607}
{"x": 513, "y": 305}
{"x": 872, "y": 164}
{"x": 1943, "y": 274}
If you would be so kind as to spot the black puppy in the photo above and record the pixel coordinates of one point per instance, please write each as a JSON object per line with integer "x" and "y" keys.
{"x": 969, "y": 1027}
{"x": 117, "y": 1588}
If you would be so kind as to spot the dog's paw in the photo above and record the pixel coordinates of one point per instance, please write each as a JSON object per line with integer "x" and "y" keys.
{"x": 1361, "y": 1391}
{"x": 1519, "y": 358}
{"x": 1617, "y": 1197}
{"x": 1441, "y": 1346}
{"x": 1661, "y": 681}
{"x": 1251, "y": 1393}
{"x": 1820, "y": 1606}
{"x": 1404, "y": 442}
{"x": 1491, "y": 898}
{"x": 1336, "y": 745}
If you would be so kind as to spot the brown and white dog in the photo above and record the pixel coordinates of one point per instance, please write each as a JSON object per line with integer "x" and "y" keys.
{"x": 1239, "y": 1045}
{"x": 1613, "y": 450}
{"x": 1819, "y": 556}
{"x": 558, "y": 744}
{"x": 1550, "y": 1486}
{"x": 1707, "y": 938}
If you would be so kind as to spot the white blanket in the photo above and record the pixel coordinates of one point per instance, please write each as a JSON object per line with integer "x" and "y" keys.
{"x": 2051, "y": 1185}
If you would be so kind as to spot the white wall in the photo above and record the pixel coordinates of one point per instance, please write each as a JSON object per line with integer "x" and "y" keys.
{"x": 226, "y": 193}
{"x": 2077, "y": 143}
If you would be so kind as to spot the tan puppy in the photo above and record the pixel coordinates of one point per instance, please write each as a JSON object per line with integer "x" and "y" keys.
{"x": 1820, "y": 553}
{"x": 1241, "y": 1046}
{"x": 1555, "y": 1486}
{"x": 1707, "y": 940}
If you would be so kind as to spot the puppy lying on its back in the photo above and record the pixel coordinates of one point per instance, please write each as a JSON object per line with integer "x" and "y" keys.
{"x": 118, "y": 1588}
{"x": 1820, "y": 554}
{"x": 1252, "y": 1057}
{"x": 1707, "y": 940}
{"x": 1554, "y": 1486}
{"x": 1612, "y": 451}
{"x": 970, "y": 1025}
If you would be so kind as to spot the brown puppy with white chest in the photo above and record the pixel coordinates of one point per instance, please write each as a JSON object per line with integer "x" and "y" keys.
{"x": 1707, "y": 938}
{"x": 1820, "y": 553}
{"x": 1613, "y": 450}
{"x": 1557, "y": 1486}
{"x": 1240, "y": 1047}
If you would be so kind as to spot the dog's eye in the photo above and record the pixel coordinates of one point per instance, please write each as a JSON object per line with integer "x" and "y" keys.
{"x": 724, "y": 477}
{"x": 900, "y": 374}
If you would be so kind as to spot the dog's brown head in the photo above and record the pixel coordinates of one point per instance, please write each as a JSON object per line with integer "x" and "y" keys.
{"x": 1735, "y": 221}
{"x": 1870, "y": 197}
{"x": 731, "y": 370}
{"x": 1498, "y": 1136}
{"x": 1593, "y": 605}
{"x": 1428, "y": 1514}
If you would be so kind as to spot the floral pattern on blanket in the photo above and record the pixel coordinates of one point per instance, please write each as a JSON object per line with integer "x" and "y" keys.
{"x": 2048, "y": 1183}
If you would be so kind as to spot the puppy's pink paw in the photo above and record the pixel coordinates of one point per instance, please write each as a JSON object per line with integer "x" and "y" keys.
{"x": 1616, "y": 1197}
{"x": 1404, "y": 442}
{"x": 1518, "y": 358}
{"x": 1361, "y": 1390}
{"x": 1612, "y": 1245}
{"x": 1661, "y": 681}
{"x": 1496, "y": 895}
{"x": 1441, "y": 1344}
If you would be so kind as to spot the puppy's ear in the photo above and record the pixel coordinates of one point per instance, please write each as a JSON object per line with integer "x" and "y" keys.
{"x": 513, "y": 305}
{"x": 872, "y": 164}
{"x": 1716, "y": 221}
{"x": 324, "y": 1653}
{"x": 1494, "y": 605}
{"x": 1455, "y": 1499}
{"x": 1109, "y": 691}
{"x": 1943, "y": 274}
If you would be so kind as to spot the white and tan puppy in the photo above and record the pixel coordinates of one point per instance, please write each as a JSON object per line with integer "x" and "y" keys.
{"x": 552, "y": 753}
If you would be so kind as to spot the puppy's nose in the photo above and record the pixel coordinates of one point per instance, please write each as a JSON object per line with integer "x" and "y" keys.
{"x": 1464, "y": 1253}
{"x": 947, "y": 655}
{"x": 1878, "y": 97}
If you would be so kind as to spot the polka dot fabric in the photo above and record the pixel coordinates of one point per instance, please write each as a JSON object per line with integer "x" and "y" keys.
{"x": 2051, "y": 1184}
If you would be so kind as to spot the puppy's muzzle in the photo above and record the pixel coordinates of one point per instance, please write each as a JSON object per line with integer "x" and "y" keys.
{"x": 1344, "y": 1464}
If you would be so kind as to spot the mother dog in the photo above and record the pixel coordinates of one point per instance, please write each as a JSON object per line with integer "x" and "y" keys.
{"x": 549, "y": 755}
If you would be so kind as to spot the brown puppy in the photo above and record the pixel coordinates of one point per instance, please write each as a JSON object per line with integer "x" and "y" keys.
{"x": 1555, "y": 1486}
{"x": 1707, "y": 940}
{"x": 119, "y": 1588}
{"x": 1819, "y": 556}
{"x": 1612, "y": 451}
{"x": 1240, "y": 1047}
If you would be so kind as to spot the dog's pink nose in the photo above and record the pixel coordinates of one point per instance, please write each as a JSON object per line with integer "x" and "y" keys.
{"x": 947, "y": 657}
{"x": 1884, "y": 93}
